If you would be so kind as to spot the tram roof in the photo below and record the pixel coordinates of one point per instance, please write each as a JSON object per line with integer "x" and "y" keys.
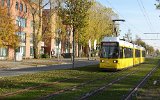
{"x": 122, "y": 42}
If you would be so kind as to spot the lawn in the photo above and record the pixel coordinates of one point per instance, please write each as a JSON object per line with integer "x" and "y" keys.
{"x": 39, "y": 85}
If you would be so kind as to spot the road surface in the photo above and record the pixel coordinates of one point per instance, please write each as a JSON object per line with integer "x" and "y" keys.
{"x": 21, "y": 71}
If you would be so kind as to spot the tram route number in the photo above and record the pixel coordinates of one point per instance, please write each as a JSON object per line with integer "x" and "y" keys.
{"x": 109, "y": 44}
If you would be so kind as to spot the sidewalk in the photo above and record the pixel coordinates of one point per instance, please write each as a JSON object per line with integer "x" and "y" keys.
{"x": 11, "y": 68}
{"x": 28, "y": 63}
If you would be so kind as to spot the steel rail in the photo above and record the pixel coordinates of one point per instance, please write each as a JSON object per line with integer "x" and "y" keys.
{"x": 88, "y": 94}
{"x": 34, "y": 87}
{"x": 78, "y": 86}
{"x": 56, "y": 82}
{"x": 39, "y": 86}
{"x": 71, "y": 88}
{"x": 128, "y": 97}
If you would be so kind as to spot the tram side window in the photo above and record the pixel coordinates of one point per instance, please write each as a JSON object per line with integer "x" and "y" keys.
{"x": 128, "y": 52}
{"x": 121, "y": 52}
{"x": 137, "y": 53}
{"x": 143, "y": 54}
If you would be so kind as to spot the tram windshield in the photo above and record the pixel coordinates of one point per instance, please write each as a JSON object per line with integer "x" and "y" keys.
{"x": 109, "y": 50}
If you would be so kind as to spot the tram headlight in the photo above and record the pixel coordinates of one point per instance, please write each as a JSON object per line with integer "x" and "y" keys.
{"x": 115, "y": 61}
{"x": 102, "y": 61}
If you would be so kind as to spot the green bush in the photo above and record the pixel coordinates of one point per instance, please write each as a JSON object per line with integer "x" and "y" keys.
{"x": 93, "y": 53}
{"x": 45, "y": 56}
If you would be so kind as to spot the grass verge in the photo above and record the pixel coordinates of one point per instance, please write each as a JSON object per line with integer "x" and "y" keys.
{"x": 12, "y": 84}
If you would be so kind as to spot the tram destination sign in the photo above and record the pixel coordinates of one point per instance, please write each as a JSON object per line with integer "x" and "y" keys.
{"x": 109, "y": 44}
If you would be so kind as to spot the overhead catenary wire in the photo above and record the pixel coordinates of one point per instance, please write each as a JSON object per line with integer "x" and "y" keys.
{"x": 134, "y": 27}
{"x": 145, "y": 14}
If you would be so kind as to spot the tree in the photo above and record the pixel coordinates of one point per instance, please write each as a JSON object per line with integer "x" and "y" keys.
{"x": 128, "y": 36}
{"x": 74, "y": 13}
{"x": 7, "y": 31}
{"x": 140, "y": 42}
{"x": 36, "y": 8}
{"x": 157, "y": 52}
{"x": 149, "y": 49}
{"x": 99, "y": 23}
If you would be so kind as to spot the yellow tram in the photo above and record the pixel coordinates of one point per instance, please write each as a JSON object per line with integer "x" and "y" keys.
{"x": 116, "y": 54}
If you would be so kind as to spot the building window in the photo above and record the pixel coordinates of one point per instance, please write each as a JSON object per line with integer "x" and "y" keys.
{"x": 21, "y": 7}
{"x": 25, "y": 21}
{"x": 31, "y": 51}
{"x": 3, "y": 52}
{"x": 22, "y": 36}
{"x": 16, "y": 5}
{"x": 25, "y": 8}
{"x": 31, "y": 38}
{"x": 22, "y": 49}
{"x": 8, "y": 3}
{"x": 2, "y": 3}
{"x": 21, "y": 22}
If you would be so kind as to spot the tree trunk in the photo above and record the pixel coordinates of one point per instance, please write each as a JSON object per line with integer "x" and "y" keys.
{"x": 35, "y": 48}
{"x": 73, "y": 47}
{"x": 35, "y": 43}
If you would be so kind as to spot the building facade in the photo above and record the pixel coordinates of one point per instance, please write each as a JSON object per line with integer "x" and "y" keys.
{"x": 19, "y": 10}
{"x": 60, "y": 40}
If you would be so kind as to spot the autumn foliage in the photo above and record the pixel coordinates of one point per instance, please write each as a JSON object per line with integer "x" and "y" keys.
{"x": 7, "y": 30}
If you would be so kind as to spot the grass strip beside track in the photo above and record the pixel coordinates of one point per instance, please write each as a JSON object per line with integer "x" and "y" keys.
{"x": 21, "y": 82}
{"x": 120, "y": 89}
{"x": 85, "y": 74}
{"x": 151, "y": 90}
{"x": 75, "y": 94}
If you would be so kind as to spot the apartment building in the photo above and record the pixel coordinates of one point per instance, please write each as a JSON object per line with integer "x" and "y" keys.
{"x": 60, "y": 42}
{"x": 19, "y": 10}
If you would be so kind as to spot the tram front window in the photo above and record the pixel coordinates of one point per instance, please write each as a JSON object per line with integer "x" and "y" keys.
{"x": 109, "y": 50}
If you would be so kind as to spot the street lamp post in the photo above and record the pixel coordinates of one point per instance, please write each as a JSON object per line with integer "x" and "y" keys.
{"x": 114, "y": 28}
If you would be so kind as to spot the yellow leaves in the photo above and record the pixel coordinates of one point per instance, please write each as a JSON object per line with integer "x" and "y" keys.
{"x": 7, "y": 30}
{"x": 99, "y": 23}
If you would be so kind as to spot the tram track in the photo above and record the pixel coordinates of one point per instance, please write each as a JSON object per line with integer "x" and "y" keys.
{"x": 52, "y": 95}
{"x": 71, "y": 88}
{"x": 129, "y": 95}
{"x": 107, "y": 85}
{"x": 35, "y": 87}
{"x": 57, "y": 82}
{"x": 48, "y": 84}
{"x": 85, "y": 83}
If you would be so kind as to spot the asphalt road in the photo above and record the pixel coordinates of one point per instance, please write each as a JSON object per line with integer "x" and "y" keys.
{"x": 21, "y": 71}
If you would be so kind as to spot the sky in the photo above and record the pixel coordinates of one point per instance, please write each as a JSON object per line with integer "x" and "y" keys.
{"x": 141, "y": 16}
